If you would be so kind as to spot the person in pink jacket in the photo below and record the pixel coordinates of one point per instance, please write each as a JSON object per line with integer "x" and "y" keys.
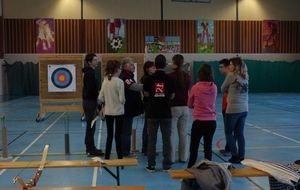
{"x": 202, "y": 99}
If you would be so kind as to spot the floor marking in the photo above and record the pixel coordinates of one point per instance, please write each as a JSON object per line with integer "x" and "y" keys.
{"x": 16, "y": 158}
{"x": 95, "y": 175}
{"x": 275, "y": 133}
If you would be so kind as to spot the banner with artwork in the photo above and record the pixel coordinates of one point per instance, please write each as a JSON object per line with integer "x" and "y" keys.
{"x": 205, "y": 36}
{"x": 162, "y": 44}
{"x": 116, "y": 42}
{"x": 45, "y": 42}
{"x": 61, "y": 78}
{"x": 271, "y": 38}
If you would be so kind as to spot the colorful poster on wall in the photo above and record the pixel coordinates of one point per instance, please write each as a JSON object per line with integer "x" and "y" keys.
{"x": 271, "y": 38}
{"x": 162, "y": 44}
{"x": 61, "y": 78}
{"x": 45, "y": 42}
{"x": 116, "y": 42}
{"x": 205, "y": 36}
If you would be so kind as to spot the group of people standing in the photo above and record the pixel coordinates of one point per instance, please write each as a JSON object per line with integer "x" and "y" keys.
{"x": 165, "y": 102}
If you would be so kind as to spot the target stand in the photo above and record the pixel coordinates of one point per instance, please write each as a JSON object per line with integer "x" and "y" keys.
{"x": 60, "y": 84}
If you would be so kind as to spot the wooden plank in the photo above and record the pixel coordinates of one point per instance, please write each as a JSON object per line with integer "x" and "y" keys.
{"x": 61, "y": 108}
{"x": 236, "y": 172}
{"x": 70, "y": 163}
{"x": 85, "y": 188}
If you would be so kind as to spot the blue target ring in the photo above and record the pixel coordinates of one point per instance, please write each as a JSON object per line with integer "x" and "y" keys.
{"x": 61, "y": 77}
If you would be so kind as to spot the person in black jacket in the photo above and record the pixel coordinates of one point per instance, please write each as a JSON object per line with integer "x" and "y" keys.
{"x": 133, "y": 104}
{"x": 160, "y": 89}
{"x": 90, "y": 93}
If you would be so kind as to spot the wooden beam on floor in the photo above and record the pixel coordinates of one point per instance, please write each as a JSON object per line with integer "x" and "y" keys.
{"x": 84, "y": 188}
{"x": 235, "y": 172}
{"x": 69, "y": 163}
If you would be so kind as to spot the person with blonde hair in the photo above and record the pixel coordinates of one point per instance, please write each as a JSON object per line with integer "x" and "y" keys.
{"x": 237, "y": 85}
{"x": 113, "y": 94}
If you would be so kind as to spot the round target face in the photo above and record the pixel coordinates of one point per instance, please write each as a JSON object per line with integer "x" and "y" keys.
{"x": 61, "y": 78}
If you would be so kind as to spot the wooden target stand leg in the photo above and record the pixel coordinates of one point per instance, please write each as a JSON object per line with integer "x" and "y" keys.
{"x": 40, "y": 116}
{"x": 133, "y": 141}
{"x": 4, "y": 141}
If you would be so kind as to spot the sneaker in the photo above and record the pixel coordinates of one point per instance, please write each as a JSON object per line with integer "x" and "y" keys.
{"x": 94, "y": 152}
{"x": 222, "y": 151}
{"x": 226, "y": 153}
{"x": 167, "y": 170}
{"x": 235, "y": 159}
{"x": 150, "y": 169}
{"x": 130, "y": 155}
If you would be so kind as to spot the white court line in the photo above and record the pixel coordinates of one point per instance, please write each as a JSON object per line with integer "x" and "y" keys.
{"x": 95, "y": 175}
{"x": 29, "y": 146}
{"x": 274, "y": 133}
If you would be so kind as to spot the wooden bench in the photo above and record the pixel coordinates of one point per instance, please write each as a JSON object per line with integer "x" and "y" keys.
{"x": 75, "y": 164}
{"x": 235, "y": 172}
{"x": 85, "y": 188}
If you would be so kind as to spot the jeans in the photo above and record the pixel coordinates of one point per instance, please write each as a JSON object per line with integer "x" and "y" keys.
{"x": 235, "y": 124}
{"x": 180, "y": 116}
{"x": 207, "y": 130}
{"x": 90, "y": 111}
{"x": 110, "y": 134}
{"x": 165, "y": 128}
{"x": 126, "y": 135}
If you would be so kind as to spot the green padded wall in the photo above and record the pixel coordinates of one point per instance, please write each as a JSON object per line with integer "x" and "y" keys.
{"x": 264, "y": 76}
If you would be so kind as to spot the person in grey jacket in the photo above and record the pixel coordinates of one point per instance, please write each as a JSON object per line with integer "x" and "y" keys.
{"x": 236, "y": 84}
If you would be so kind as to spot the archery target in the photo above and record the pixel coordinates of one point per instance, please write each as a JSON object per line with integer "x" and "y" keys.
{"x": 61, "y": 78}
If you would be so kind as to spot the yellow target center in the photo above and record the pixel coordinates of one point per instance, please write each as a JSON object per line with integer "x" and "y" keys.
{"x": 61, "y": 78}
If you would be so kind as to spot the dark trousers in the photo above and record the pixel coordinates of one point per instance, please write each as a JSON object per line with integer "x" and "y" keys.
{"x": 227, "y": 148}
{"x": 110, "y": 133}
{"x": 165, "y": 128}
{"x": 145, "y": 132}
{"x": 207, "y": 130}
{"x": 126, "y": 135}
{"x": 90, "y": 111}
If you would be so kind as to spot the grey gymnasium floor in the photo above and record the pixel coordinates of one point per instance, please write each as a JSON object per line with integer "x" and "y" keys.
{"x": 272, "y": 134}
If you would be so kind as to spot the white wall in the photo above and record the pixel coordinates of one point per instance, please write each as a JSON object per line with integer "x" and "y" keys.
{"x": 151, "y": 9}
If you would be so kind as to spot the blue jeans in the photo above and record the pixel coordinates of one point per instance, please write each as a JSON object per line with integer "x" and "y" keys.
{"x": 234, "y": 129}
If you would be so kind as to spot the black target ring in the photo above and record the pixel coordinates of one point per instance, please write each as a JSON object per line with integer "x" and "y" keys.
{"x": 61, "y": 78}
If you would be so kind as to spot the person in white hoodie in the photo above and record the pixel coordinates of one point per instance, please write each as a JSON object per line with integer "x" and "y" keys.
{"x": 202, "y": 99}
{"x": 113, "y": 94}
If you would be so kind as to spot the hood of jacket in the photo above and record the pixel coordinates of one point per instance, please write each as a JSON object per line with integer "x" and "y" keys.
{"x": 205, "y": 87}
{"x": 86, "y": 68}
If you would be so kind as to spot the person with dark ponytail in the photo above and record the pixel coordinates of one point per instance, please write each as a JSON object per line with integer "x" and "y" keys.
{"x": 113, "y": 94}
{"x": 180, "y": 111}
{"x": 202, "y": 99}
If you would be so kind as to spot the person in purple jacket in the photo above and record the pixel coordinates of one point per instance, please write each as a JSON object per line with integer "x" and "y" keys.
{"x": 180, "y": 111}
{"x": 202, "y": 99}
